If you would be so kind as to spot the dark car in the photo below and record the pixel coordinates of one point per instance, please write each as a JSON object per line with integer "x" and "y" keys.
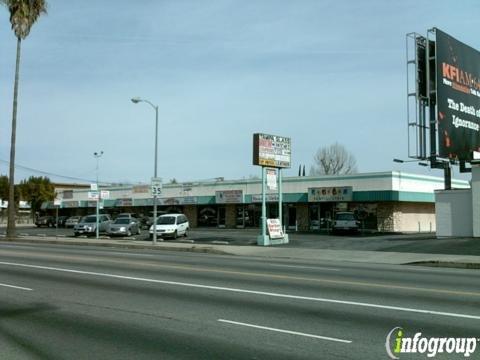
{"x": 62, "y": 220}
{"x": 48, "y": 221}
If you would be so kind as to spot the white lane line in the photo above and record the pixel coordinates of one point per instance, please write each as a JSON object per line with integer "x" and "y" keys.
{"x": 16, "y": 287}
{"x": 285, "y": 331}
{"x": 305, "y": 267}
{"x": 244, "y": 291}
{"x": 131, "y": 254}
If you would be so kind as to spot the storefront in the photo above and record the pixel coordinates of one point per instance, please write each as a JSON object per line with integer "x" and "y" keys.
{"x": 388, "y": 201}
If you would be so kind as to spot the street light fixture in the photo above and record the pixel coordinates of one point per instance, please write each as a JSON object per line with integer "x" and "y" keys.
{"x": 97, "y": 156}
{"x": 137, "y": 100}
{"x": 409, "y": 161}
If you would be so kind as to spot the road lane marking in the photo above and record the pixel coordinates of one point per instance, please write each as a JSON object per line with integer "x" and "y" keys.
{"x": 285, "y": 331}
{"x": 245, "y": 291}
{"x": 286, "y": 277}
{"x": 16, "y": 287}
{"x": 305, "y": 267}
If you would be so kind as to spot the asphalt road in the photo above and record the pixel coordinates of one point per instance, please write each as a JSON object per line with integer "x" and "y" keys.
{"x": 68, "y": 302}
{"x": 409, "y": 243}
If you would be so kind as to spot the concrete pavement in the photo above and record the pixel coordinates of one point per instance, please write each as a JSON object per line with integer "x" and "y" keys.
{"x": 376, "y": 257}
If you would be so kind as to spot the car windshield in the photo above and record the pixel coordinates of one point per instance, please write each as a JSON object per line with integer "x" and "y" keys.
{"x": 89, "y": 219}
{"x": 166, "y": 220}
{"x": 122, "y": 221}
{"x": 347, "y": 216}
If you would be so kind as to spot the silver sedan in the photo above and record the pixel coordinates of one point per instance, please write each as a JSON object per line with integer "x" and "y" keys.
{"x": 124, "y": 227}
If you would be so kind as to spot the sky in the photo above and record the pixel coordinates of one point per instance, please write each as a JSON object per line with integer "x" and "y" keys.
{"x": 316, "y": 71}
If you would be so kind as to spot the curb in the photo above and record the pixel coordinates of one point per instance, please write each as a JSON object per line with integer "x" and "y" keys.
{"x": 194, "y": 248}
{"x": 445, "y": 264}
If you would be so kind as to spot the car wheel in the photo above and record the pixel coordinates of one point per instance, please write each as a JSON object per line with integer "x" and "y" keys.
{"x": 175, "y": 235}
{"x": 138, "y": 231}
{"x": 186, "y": 233}
{"x": 129, "y": 233}
{"x": 75, "y": 234}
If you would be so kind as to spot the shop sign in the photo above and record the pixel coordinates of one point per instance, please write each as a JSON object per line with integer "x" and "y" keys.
{"x": 70, "y": 204}
{"x": 140, "y": 189}
{"x": 185, "y": 200}
{"x": 268, "y": 198}
{"x": 274, "y": 229}
{"x": 189, "y": 200}
{"x": 271, "y": 179}
{"x": 338, "y": 193}
{"x": 93, "y": 195}
{"x": 124, "y": 202}
{"x": 229, "y": 197}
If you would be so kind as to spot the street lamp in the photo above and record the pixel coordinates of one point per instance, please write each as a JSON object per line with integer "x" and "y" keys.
{"x": 409, "y": 161}
{"x": 97, "y": 156}
{"x": 137, "y": 100}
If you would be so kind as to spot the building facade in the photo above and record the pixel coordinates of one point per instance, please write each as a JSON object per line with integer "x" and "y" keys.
{"x": 383, "y": 201}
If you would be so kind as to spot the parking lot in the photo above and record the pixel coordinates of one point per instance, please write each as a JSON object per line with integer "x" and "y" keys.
{"x": 412, "y": 243}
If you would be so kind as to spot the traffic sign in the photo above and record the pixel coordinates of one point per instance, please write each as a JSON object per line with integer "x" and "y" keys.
{"x": 156, "y": 186}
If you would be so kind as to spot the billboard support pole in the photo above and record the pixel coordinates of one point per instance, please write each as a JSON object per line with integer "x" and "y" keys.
{"x": 280, "y": 195}
{"x": 447, "y": 173}
{"x": 263, "y": 239}
{"x": 280, "y": 205}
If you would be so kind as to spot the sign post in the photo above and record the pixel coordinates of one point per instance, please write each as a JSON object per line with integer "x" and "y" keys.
{"x": 271, "y": 151}
{"x": 57, "y": 202}
{"x": 156, "y": 187}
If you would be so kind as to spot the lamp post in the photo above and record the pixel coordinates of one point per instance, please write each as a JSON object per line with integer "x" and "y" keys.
{"x": 137, "y": 100}
{"x": 97, "y": 156}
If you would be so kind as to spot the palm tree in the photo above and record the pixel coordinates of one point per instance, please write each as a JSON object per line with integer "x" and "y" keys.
{"x": 23, "y": 14}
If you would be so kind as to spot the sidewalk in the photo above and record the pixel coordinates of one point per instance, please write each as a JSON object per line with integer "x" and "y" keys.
{"x": 376, "y": 257}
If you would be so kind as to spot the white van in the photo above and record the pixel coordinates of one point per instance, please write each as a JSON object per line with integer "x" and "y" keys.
{"x": 171, "y": 225}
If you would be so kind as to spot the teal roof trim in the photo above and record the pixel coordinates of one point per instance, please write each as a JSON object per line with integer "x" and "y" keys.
{"x": 389, "y": 195}
{"x": 205, "y": 200}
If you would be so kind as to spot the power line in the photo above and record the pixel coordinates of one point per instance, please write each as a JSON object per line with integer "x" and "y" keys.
{"x": 18, "y": 166}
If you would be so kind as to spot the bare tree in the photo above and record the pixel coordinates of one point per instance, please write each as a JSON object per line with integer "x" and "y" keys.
{"x": 333, "y": 160}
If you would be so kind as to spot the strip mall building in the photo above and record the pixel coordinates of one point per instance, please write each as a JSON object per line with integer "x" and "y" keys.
{"x": 384, "y": 201}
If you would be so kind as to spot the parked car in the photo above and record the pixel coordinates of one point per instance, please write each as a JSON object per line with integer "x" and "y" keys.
{"x": 146, "y": 221}
{"x": 72, "y": 221}
{"x": 126, "y": 215}
{"x": 345, "y": 222}
{"x": 124, "y": 226}
{"x": 171, "y": 225}
{"x": 61, "y": 220}
{"x": 87, "y": 225}
{"x": 48, "y": 221}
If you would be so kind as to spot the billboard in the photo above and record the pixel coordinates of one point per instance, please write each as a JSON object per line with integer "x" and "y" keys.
{"x": 271, "y": 150}
{"x": 458, "y": 98}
